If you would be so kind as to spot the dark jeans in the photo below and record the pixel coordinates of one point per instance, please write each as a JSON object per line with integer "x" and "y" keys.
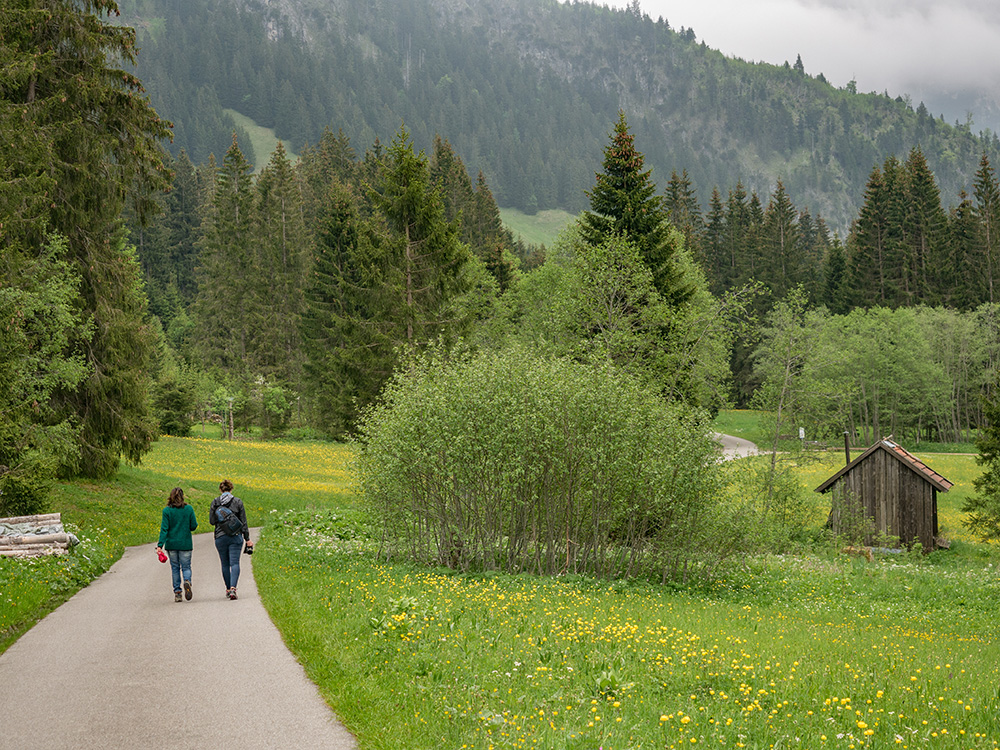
{"x": 180, "y": 560}
{"x": 230, "y": 548}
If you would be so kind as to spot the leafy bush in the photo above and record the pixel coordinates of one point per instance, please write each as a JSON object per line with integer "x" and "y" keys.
{"x": 25, "y": 492}
{"x": 515, "y": 462}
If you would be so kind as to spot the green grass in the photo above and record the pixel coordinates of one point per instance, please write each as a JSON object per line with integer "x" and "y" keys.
{"x": 541, "y": 229}
{"x": 124, "y": 511}
{"x": 815, "y": 650}
{"x": 742, "y": 423}
{"x": 263, "y": 140}
{"x": 753, "y": 426}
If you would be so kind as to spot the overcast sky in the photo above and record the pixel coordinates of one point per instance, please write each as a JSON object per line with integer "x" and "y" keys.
{"x": 919, "y": 47}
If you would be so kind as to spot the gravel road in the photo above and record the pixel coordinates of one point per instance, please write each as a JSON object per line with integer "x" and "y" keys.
{"x": 734, "y": 447}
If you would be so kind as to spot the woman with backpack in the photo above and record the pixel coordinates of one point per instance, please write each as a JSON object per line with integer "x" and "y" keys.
{"x": 176, "y": 525}
{"x": 229, "y": 517}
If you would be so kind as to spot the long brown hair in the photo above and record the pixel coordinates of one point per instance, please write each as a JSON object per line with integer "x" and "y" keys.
{"x": 176, "y": 498}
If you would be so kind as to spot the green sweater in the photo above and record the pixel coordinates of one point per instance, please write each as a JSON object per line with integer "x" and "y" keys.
{"x": 176, "y": 528}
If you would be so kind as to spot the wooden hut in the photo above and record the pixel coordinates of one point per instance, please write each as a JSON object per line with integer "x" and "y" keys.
{"x": 893, "y": 489}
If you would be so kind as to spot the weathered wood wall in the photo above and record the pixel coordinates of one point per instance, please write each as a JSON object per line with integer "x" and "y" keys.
{"x": 899, "y": 501}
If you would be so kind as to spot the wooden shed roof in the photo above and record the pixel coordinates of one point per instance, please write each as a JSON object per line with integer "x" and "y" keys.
{"x": 907, "y": 459}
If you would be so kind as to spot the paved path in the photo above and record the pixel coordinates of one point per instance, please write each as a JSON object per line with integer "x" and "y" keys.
{"x": 121, "y": 665}
{"x": 734, "y": 447}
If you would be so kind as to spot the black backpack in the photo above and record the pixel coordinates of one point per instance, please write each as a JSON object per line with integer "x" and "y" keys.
{"x": 228, "y": 521}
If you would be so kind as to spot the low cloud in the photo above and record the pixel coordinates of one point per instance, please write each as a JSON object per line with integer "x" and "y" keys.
{"x": 913, "y": 47}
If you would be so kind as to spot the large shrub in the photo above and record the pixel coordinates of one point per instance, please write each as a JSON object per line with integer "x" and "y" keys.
{"x": 516, "y": 462}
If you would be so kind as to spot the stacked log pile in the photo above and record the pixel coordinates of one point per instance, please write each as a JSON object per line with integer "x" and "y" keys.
{"x": 31, "y": 536}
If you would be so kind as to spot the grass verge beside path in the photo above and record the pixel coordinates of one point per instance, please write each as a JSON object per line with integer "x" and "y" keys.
{"x": 819, "y": 652}
{"x": 125, "y": 510}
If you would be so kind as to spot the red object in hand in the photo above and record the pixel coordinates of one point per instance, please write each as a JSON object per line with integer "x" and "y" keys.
{"x": 162, "y": 555}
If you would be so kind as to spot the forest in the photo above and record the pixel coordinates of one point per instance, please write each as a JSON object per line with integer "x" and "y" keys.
{"x": 162, "y": 293}
{"x": 324, "y": 302}
{"x": 525, "y": 90}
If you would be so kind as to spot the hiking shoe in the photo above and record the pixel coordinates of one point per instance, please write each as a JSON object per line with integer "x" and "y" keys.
{"x": 177, "y": 596}
{"x": 187, "y": 590}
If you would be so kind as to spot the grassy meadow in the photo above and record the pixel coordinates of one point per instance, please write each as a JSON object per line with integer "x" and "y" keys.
{"x": 263, "y": 139}
{"x": 812, "y": 650}
{"x": 541, "y": 228}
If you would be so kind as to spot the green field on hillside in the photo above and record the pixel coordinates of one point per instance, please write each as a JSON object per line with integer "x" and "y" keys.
{"x": 263, "y": 140}
{"x": 540, "y": 229}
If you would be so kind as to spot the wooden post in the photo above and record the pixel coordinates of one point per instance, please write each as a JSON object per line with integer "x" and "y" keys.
{"x": 847, "y": 446}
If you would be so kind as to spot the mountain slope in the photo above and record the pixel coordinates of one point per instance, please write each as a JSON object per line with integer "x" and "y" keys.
{"x": 527, "y": 91}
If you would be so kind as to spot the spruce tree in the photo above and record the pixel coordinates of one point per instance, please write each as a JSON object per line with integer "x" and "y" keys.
{"x": 451, "y": 178}
{"x": 225, "y": 268}
{"x": 79, "y": 142}
{"x": 781, "y": 255}
{"x": 427, "y": 249}
{"x": 276, "y": 302}
{"x": 332, "y": 159}
{"x": 738, "y": 238}
{"x": 835, "y": 280}
{"x": 813, "y": 249}
{"x": 485, "y": 224}
{"x": 924, "y": 228}
{"x": 961, "y": 282}
{"x": 349, "y": 325}
{"x": 488, "y": 238}
{"x": 870, "y": 279}
{"x": 38, "y": 304}
{"x": 754, "y": 239}
{"x": 182, "y": 221}
{"x": 987, "y": 194}
{"x": 624, "y": 204}
{"x": 718, "y": 267}
{"x": 683, "y": 211}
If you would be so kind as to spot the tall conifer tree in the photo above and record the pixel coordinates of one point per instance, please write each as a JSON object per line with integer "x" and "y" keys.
{"x": 79, "y": 141}
{"x": 924, "y": 230}
{"x": 349, "y": 326}
{"x": 182, "y": 222}
{"x": 427, "y": 249}
{"x": 835, "y": 280}
{"x": 738, "y": 238}
{"x": 226, "y": 260}
{"x": 624, "y": 204}
{"x": 683, "y": 211}
{"x": 718, "y": 267}
{"x": 280, "y": 273}
{"x": 987, "y": 194}
{"x": 870, "y": 242}
{"x": 782, "y": 258}
{"x": 332, "y": 159}
{"x": 959, "y": 280}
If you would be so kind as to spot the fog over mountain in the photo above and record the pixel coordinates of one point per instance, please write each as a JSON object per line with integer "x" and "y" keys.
{"x": 943, "y": 54}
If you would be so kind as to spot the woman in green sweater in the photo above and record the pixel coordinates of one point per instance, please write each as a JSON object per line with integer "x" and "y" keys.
{"x": 175, "y": 537}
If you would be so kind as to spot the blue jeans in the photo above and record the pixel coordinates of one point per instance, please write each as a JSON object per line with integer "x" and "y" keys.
{"x": 230, "y": 548}
{"x": 180, "y": 560}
